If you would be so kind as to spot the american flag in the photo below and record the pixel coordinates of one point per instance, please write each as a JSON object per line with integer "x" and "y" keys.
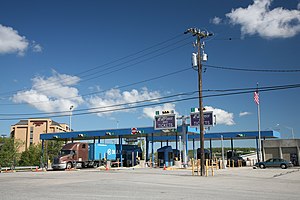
{"x": 256, "y": 97}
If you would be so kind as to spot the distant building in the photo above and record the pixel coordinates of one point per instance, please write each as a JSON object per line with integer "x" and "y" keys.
{"x": 28, "y": 131}
{"x": 288, "y": 149}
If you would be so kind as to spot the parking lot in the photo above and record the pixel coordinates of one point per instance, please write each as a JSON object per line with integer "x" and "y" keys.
{"x": 147, "y": 183}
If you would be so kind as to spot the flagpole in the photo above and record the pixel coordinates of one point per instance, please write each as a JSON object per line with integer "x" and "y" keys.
{"x": 259, "y": 135}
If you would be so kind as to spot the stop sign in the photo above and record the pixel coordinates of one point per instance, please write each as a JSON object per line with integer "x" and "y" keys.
{"x": 133, "y": 131}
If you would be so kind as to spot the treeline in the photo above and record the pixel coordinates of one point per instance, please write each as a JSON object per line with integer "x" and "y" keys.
{"x": 218, "y": 151}
{"x": 10, "y": 155}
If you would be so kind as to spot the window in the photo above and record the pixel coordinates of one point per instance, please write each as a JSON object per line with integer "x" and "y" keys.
{"x": 31, "y": 135}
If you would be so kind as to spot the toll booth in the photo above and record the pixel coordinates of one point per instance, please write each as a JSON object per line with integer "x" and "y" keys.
{"x": 176, "y": 153}
{"x": 165, "y": 156}
{"x": 130, "y": 154}
{"x": 206, "y": 154}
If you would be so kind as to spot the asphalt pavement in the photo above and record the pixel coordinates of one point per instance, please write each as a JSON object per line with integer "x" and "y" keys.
{"x": 147, "y": 183}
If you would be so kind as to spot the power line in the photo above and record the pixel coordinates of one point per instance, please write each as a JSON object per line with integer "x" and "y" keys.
{"x": 130, "y": 55}
{"x": 261, "y": 89}
{"x": 117, "y": 60}
{"x": 254, "y": 70}
{"x": 102, "y": 91}
{"x": 103, "y": 107}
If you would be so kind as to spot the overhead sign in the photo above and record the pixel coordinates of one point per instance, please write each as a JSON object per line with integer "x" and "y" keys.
{"x": 162, "y": 122}
{"x": 208, "y": 119}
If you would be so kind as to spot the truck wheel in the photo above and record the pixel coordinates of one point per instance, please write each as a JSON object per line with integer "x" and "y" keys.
{"x": 95, "y": 165}
{"x": 69, "y": 165}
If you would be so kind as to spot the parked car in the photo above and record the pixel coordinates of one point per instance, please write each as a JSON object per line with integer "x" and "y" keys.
{"x": 238, "y": 161}
{"x": 274, "y": 162}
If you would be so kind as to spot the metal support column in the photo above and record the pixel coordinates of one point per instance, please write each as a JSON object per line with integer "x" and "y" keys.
{"x": 176, "y": 141}
{"x": 186, "y": 148}
{"x": 42, "y": 156}
{"x": 152, "y": 149}
{"x": 121, "y": 150}
{"x": 231, "y": 141}
{"x": 210, "y": 148}
{"x": 147, "y": 149}
{"x": 184, "y": 141}
{"x": 257, "y": 149}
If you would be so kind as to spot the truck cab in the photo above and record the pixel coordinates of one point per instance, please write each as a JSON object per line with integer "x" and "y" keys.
{"x": 71, "y": 155}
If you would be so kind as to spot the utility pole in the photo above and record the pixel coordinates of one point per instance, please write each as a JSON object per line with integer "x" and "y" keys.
{"x": 70, "y": 119}
{"x": 200, "y": 35}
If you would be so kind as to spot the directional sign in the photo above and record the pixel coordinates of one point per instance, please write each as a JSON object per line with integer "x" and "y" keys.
{"x": 208, "y": 119}
{"x": 162, "y": 122}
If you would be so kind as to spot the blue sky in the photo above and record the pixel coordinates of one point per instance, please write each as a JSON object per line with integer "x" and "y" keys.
{"x": 54, "y": 54}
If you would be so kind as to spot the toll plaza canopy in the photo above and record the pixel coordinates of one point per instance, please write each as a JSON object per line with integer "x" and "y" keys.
{"x": 181, "y": 133}
{"x": 156, "y": 135}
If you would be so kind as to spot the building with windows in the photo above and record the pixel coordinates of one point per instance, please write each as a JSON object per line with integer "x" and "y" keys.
{"x": 28, "y": 131}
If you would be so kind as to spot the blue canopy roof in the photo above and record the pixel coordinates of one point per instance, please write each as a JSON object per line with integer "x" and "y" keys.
{"x": 158, "y": 135}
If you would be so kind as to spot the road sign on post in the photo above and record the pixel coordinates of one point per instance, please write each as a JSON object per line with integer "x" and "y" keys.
{"x": 208, "y": 119}
{"x": 133, "y": 131}
{"x": 162, "y": 122}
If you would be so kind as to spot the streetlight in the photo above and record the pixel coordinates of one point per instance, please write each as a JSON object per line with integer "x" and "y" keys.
{"x": 71, "y": 108}
{"x": 290, "y": 128}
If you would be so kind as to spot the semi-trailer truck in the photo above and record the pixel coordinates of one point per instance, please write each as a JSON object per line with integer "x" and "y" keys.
{"x": 80, "y": 155}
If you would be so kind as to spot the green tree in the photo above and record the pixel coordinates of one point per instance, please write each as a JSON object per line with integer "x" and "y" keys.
{"x": 52, "y": 149}
{"x": 31, "y": 157}
{"x": 9, "y": 152}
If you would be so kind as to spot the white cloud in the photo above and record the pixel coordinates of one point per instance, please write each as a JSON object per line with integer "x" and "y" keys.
{"x": 36, "y": 47}
{"x": 259, "y": 19}
{"x": 216, "y": 20}
{"x": 51, "y": 94}
{"x": 11, "y": 41}
{"x": 244, "y": 114}
{"x": 113, "y": 97}
{"x": 150, "y": 111}
{"x": 222, "y": 116}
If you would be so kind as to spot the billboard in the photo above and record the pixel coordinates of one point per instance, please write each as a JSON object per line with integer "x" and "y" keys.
{"x": 208, "y": 119}
{"x": 162, "y": 122}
